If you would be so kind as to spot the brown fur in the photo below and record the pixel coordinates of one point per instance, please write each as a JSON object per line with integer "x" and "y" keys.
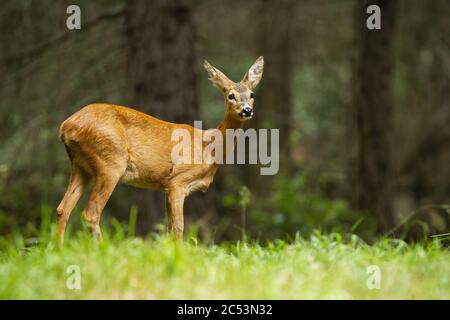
{"x": 108, "y": 144}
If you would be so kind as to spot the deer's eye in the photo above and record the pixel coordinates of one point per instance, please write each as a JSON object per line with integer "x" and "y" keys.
{"x": 251, "y": 95}
{"x": 231, "y": 97}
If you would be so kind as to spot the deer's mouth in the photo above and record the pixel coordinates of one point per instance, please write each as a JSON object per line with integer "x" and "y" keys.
{"x": 246, "y": 114}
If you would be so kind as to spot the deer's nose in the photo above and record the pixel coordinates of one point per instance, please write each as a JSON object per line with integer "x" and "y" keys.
{"x": 247, "y": 111}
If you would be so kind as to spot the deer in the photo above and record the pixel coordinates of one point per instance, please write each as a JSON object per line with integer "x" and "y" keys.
{"x": 107, "y": 144}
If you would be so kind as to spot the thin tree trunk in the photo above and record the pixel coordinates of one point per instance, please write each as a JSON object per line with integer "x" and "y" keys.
{"x": 275, "y": 99}
{"x": 373, "y": 109}
{"x": 273, "y": 109}
{"x": 161, "y": 64}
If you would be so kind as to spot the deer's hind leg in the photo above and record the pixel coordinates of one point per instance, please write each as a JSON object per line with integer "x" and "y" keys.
{"x": 78, "y": 182}
{"x": 106, "y": 176}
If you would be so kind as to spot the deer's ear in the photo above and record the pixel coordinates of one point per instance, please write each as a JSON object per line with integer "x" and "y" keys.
{"x": 217, "y": 77}
{"x": 254, "y": 74}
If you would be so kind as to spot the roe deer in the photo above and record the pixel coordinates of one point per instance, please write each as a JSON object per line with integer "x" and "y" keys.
{"x": 108, "y": 143}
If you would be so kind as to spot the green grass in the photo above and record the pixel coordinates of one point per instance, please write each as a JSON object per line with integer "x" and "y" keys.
{"x": 322, "y": 267}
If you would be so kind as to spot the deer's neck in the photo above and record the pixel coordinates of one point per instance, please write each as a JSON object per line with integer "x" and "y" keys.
{"x": 228, "y": 123}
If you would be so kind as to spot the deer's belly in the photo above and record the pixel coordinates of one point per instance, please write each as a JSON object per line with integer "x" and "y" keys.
{"x": 142, "y": 179}
{"x": 138, "y": 183}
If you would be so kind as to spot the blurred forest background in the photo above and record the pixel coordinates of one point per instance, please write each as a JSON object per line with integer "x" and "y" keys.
{"x": 363, "y": 114}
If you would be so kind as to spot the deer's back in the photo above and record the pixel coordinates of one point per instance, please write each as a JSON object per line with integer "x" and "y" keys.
{"x": 114, "y": 134}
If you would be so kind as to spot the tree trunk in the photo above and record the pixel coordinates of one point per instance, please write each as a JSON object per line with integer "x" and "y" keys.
{"x": 275, "y": 100}
{"x": 273, "y": 109}
{"x": 373, "y": 108}
{"x": 161, "y": 64}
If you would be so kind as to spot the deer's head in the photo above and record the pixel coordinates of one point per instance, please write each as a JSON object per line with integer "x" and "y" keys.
{"x": 238, "y": 96}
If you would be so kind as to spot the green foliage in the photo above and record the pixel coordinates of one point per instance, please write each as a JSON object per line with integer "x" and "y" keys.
{"x": 40, "y": 90}
{"x": 322, "y": 98}
{"x": 299, "y": 207}
{"x": 332, "y": 266}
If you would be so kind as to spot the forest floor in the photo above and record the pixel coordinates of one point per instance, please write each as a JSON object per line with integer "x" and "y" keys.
{"x": 322, "y": 267}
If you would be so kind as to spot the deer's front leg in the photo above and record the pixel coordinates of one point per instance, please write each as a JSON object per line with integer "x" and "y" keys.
{"x": 174, "y": 206}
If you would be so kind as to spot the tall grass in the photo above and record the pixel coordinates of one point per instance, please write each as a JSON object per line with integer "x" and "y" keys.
{"x": 322, "y": 267}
